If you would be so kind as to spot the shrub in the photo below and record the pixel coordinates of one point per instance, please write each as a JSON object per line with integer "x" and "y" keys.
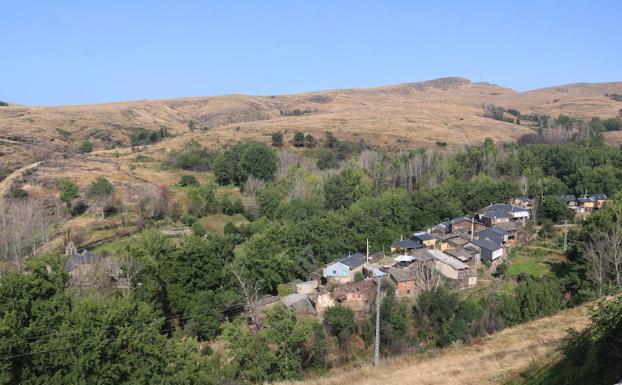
{"x": 3, "y": 104}
{"x": 299, "y": 139}
{"x": 68, "y": 191}
{"x": 85, "y": 147}
{"x": 327, "y": 159}
{"x": 358, "y": 277}
{"x": 188, "y": 219}
{"x": 277, "y": 139}
{"x": 198, "y": 229}
{"x": 188, "y": 180}
{"x": 339, "y": 322}
{"x": 284, "y": 289}
{"x": 19, "y": 193}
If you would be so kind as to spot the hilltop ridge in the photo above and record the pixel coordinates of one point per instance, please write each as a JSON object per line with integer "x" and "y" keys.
{"x": 446, "y": 110}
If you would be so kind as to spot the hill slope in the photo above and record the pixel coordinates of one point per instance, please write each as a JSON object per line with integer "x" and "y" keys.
{"x": 492, "y": 360}
{"x": 447, "y": 110}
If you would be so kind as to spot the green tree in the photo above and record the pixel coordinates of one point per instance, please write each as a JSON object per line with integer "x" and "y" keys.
{"x": 68, "y": 192}
{"x": 198, "y": 229}
{"x": 340, "y": 323}
{"x": 268, "y": 201}
{"x": 188, "y": 180}
{"x": 102, "y": 192}
{"x": 299, "y": 139}
{"x": 326, "y": 159}
{"x": 277, "y": 139}
{"x": 255, "y": 159}
{"x": 341, "y": 190}
{"x": 85, "y": 147}
{"x": 223, "y": 169}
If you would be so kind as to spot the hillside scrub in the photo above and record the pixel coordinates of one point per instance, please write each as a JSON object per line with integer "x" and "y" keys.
{"x": 203, "y": 285}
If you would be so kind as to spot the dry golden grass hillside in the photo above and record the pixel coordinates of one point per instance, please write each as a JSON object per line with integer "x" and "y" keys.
{"x": 411, "y": 114}
{"x": 492, "y": 360}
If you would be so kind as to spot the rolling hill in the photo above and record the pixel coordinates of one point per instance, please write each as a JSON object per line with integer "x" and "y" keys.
{"x": 411, "y": 114}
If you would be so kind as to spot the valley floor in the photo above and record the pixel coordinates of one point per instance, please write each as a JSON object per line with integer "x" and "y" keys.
{"x": 491, "y": 360}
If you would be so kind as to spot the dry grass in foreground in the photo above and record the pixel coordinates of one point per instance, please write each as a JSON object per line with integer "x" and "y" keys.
{"x": 492, "y": 360}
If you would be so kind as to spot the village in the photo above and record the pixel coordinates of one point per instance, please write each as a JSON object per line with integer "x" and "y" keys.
{"x": 456, "y": 251}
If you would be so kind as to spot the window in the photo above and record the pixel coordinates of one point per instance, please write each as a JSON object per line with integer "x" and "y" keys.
{"x": 335, "y": 272}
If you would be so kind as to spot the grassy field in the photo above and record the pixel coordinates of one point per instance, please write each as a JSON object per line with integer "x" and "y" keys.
{"x": 491, "y": 360}
{"x": 537, "y": 258}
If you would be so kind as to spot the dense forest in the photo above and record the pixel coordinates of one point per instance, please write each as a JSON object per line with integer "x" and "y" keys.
{"x": 188, "y": 296}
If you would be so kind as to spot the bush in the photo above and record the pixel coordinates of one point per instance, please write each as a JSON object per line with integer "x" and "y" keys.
{"x": 358, "y": 277}
{"x": 85, "y": 147}
{"x": 339, "y": 322}
{"x": 192, "y": 157}
{"x": 277, "y": 139}
{"x": 299, "y": 139}
{"x": 327, "y": 159}
{"x": 188, "y": 180}
{"x": 501, "y": 270}
{"x": 284, "y": 289}
{"x": 188, "y": 219}
{"x": 198, "y": 229}
{"x": 19, "y": 193}
{"x": 68, "y": 191}
{"x": 3, "y": 104}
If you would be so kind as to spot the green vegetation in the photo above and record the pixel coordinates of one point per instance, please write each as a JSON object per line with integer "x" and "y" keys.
{"x": 589, "y": 357}
{"x": 85, "y": 147}
{"x": 277, "y": 139}
{"x": 299, "y": 139}
{"x": 68, "y": 191}
{"x": 19, "y": 193}
{"x": 245, "y": 159}
{"x": 140, "y": 136}
{"x": 202, "y": 287}
{"x": 188, "y": 180}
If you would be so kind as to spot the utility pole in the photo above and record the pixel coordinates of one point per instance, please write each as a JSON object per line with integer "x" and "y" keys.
{"x": 377, "y": 347}
{"x": 565, "y": 235}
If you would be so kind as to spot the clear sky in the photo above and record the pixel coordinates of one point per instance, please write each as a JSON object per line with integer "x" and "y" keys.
{"x": 69, "y": 52}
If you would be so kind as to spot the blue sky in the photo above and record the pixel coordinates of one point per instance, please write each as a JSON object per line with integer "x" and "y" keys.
{"x": 71, "y": 52}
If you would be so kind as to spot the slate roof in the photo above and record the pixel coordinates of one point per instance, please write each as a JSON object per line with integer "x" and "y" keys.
{"x": 463, "y": 254}
{"x": 459, "y": 220}
{"x": 423, "y": 255}
{"x": 423, "y": 236}
{"x": 485, "y": 243}
{"x": 401, "y": 275}
{"x": 497, "y": 214}
{"x": 498, "y": 230}
{"x": 353, "y": 261}
{"x": 75, "y": 260}
{"x": 568, "y": 198}
{"x": 508, "y": 226}
{"x": 448, "y": 260}
{"x": 600, "y": 197}
{"x": 406, "y": 244}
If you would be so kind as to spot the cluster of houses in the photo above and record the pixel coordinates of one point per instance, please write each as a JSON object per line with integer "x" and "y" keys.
{"x": 453, "y": 249}
{"x": 585, "y": 204}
